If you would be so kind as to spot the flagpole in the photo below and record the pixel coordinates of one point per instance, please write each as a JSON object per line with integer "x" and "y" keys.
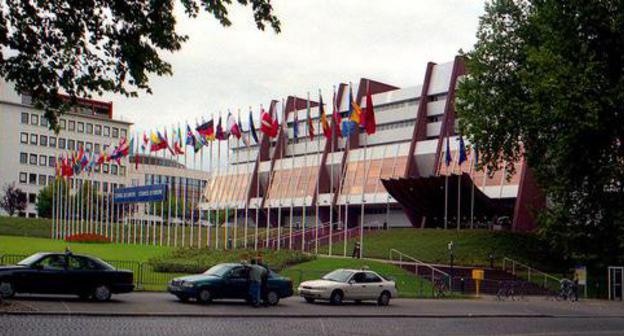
{"x": 258, "y": 161}
{"x": 472, "y": 163}
{"x": 184, "y": 201}
{"x": 209, "y": 202}
{"x": 238, "y": 180}
{"x": 331, "y": 171}
{"x": 248, "y": 185}
{"x": 318, "y": 174}
{"x": 199, "y": 196}
{"x": 226, "y": 233}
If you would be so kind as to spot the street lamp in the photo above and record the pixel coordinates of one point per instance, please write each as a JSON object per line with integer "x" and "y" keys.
{"x": 450, "y": 249}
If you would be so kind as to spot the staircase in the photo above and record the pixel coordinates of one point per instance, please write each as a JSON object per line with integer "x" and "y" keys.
{"x": 493, "y": 278}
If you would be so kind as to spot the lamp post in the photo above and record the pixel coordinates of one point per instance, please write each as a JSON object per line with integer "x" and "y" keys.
{"x": 450, "y": 249}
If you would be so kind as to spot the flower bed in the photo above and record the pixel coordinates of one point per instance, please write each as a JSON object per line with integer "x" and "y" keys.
{"x": 87, "y": 238}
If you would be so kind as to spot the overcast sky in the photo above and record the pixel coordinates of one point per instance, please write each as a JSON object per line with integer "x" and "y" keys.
{"x": 323, "y": 42}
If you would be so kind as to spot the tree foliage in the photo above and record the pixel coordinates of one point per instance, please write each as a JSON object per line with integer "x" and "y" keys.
{"x": 91, "y": 47}
{"x": 13, "y": 199}
{"x": 546, "y": 81}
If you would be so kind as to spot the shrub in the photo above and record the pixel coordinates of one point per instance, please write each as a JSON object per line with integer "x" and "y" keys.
{"x": 188, "y": 260}
{"x": 87, "y": 238}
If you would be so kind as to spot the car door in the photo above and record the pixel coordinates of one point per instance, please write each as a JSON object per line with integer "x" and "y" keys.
{"x": 82, "y": 275}
{"x": 374, "y": 285}
{"x": 357, "y": 287}
{"x": 237, "y": 283}
{"x": 47, "y": 275}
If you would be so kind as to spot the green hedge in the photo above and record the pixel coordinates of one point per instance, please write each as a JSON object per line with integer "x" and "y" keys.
{"x": 198, "y": 260}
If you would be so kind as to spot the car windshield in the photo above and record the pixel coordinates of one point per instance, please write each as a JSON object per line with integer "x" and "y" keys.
{"x": 338, "y": 275}
{"x": 30, "y": 260}
{"x": 218, "y": 270}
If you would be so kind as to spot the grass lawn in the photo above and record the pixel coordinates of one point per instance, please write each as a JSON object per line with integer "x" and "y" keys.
{"x": 29, "y": 227}
{"x": 30, "y": 245}
{"x": 471, "y": 247}
{"x": 408, "y": 284}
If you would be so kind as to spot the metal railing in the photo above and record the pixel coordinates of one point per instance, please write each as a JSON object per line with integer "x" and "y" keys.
{"x": 531, "y": 274}
{"x": 418, "y": 265}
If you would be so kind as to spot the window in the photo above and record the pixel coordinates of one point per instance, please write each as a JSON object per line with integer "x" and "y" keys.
{"x": 71, "y": 144}
{"x": 42, "y": 179}
{"x": 23, "y": 177}
{"x": 72, "y": 125}
{"x": 96, "y": 148}
{"x": 105, "y": 169}
{"x": 33, "y": 159}
{"x": 63, "y": 123}
{"x": 32, "y": 198}
{"x": 32, "y": 178}
{"x": 61, "y": 143}
{"x": 113, "y": 169}
{"x": 98, "y": 129}
{"x": 124, "y": 133}
{"x": 89, "y": 146}
{"x": 106, "y": 131}
{"x": 359, "y": 277}
{"x": 50, "y": 179}
{"x": 34, "y": 119}
{"x": 80, "y": 145}
{"x": 43, "y": 160}
{"x": 23, "y": 158}
{"x": 51, "y": 161}
{"x": 371, "y": 277}
{"x": 80, "y": 127}
{"x": 33, "y": 139}
{"x": 89, "y": 128}
{"x": 97, "y": 168}
{"x": 44, "y": 121}
{"x": 24, "y": 138}
{"x": 24, "y": 118}
{"x": 43, "y": 140}
{"x": 115, "y": 132}
{"x": 52, "y": 142}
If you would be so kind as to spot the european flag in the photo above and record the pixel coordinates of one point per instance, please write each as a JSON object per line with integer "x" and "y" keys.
{"x": 462, "y": 150}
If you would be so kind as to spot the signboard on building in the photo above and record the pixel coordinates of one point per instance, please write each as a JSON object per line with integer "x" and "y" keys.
{"x": 141, "y": 194}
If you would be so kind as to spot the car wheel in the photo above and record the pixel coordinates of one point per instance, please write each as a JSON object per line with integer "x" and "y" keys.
{"x": 336, "y": 298}
{"x": 384, "y": 299}
{"x": 204, "y": 296}
{"x": 309, "y": 300}
{"x": 102, "y": 293}
{"x": 6, "y": 289}
{"x": 272, "y": 298}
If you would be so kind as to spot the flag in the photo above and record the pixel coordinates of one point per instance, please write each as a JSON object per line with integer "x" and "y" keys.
{"x": 157, "y": 142}
{"x": 220, "y": 134}
{"x": 295, "y": 126}
{"x": 310, "y": 124}
{"x": 240, "y": 127}
{"x": 462, "y": 151}
{"x": 232, "y": 127}
{"x": 336, "y": 119}
{"x": 166, "y": 140}
{"x": 369, "y": 116}
{"x": 252, "y": 128}
{"x": 268, "y": 124}
{"x": 206, "y": 129}
{"x": 350, "y": 125}
{"x": 177, "y": 142}
{"x": 145, "y": 142}
{"x": 448, "y": 158}
{"x": 324, "y": 124}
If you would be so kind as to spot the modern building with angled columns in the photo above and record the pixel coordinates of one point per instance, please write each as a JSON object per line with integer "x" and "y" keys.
{"x": 388, "y": 177}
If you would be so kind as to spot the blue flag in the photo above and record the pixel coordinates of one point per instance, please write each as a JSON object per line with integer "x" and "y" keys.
{"x": 252, "y": 128}
{"x": 448, "y": 157}
{"x": 462, "y": 151}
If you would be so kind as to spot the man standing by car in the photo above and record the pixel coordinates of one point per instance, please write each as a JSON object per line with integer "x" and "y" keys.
{"x": 255, "y": 281}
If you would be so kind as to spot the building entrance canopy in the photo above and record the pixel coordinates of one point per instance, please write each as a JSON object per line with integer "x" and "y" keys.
{"x": 424, "y": 197}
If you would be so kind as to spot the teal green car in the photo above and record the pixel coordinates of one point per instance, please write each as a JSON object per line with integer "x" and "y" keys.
{"x": 227, "y": 281}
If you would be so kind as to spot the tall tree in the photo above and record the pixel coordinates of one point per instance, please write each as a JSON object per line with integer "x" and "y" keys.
{"x": 13, "y": 200}
{"x": 91, "y": 47}
{"x": 546, "y": 82}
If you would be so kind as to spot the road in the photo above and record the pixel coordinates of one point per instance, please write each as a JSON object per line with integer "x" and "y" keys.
{"x": 161, "y": 314}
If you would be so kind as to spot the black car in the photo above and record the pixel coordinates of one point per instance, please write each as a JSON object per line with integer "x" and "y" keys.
{"x": 64, "y": 273}
{"x": 227, "y": 281}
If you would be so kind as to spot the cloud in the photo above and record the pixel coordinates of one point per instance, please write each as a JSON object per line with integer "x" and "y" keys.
{"x": 323, "y": 42}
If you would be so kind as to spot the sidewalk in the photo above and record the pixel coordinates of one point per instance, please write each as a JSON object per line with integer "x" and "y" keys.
{"x": 162, "y": 304}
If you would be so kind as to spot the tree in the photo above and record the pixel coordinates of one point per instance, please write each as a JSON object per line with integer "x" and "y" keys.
{"x": 546, "y": 82}
{"x": 90, "y": 47}
{"x": 13, "y": 200}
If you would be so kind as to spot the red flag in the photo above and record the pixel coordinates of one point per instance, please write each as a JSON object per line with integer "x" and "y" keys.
{"x": 268, "y": 124}
{"x": 368, "y": 122}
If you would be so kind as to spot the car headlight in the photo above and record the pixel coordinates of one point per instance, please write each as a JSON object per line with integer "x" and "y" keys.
{"x": 188, "y": 284}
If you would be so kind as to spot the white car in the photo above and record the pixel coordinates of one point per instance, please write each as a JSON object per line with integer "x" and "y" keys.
{"x": 349, "y": 284}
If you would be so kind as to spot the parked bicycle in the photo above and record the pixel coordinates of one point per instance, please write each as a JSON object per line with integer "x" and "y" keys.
{"x": 567, "y": 291}
{"x": 440, "y": 287}
{"x": 506, "y": 290}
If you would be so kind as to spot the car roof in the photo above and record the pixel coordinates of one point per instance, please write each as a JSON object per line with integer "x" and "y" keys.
{"x": 355, "y": 270}
{"x": 43, "y": 254}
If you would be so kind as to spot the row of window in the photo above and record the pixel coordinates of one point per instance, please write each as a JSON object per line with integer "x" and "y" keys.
{"x": 50, "y": 161}
{"x": 74, "y": 126}
{"x": 60, "y": 143}
{"x": 43, "y": 180}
